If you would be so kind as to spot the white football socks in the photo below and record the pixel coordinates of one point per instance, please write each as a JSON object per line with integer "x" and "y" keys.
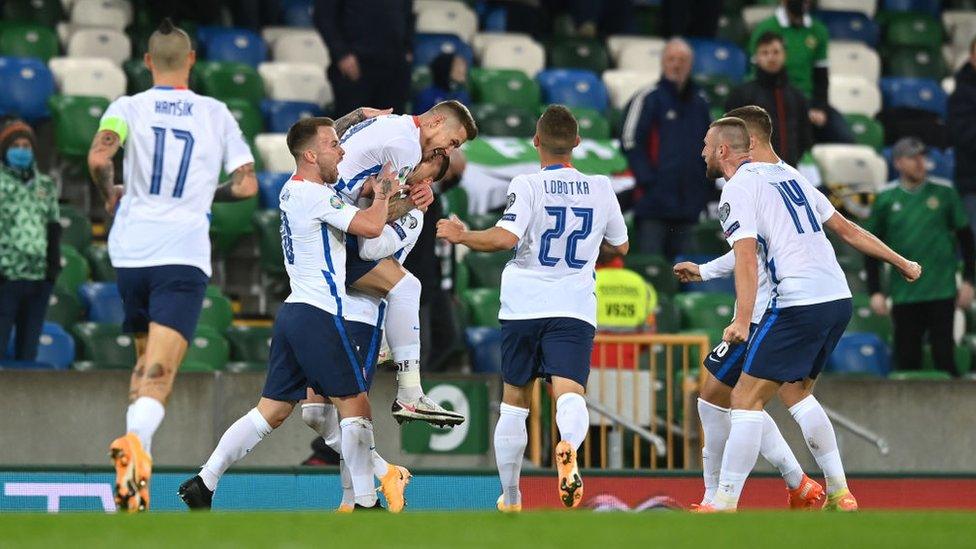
{"x": 775, "y": 450}
{"x": 572, "y": 418}
{"x": 403, "y": 335}
{"x": 357, "y": 447}
{"x": 324, "y": 420}
{"x": 820, "y": 438}
{"x": 510, "y": 440}
{"x": 741, "y": 452}
{"x": 716, "y": 423}
{"x": 239, "y": 439}
{"x": 143, "y": 418}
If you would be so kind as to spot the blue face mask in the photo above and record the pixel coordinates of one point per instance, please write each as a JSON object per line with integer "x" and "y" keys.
{"x": 20, "y": 159}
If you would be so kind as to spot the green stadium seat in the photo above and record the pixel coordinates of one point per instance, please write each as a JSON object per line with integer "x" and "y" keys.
{"x": 705, "y": 310}
{"x": 962, "y": 354}
{"x": 76, "y": 228}
{"x": 505, "y": 87}
{"x": 248, "y": 117}
{"x": 267, "y": 224}
{"x": 495, "y": 120}
{"x": 455, "y": 201}
{"x": 216, "y": 313}
{"x": 592, "y": 124}
{"x": 716, "y": 89}
{"x": 208, "y": 351}
{"x": 231, "y": 220}
{"x": 914, "y": 62}
{"x": 867, "y": 131}
{"x": 28, "y": 40}
{"x": 863, "y": 319}
{"x": 197, "y": 366}
{"x": 461, "y": 278}
{"x": 74, "y": 269}
{"x": 105, "y": 345}
{"x": 920, "y": 375}
{"x": 76, "y": 120}
{"x": 667, "y": 317}
{"x": 420, "y": 79}
{"x": 655, "y": 269}
{"x": 480, "y": 222}
{"x": 230, "y": 81}
{"x": 485, "y": 269}
{"x": 482, "y": 305}
{"x": 709, "y": 239}
{"x": 137, "y": 76}
{"x": 100, "y": 263}
{"x": 241, "y": 367}
{"x": 40, "y": 12}
{"x": 91, "y": 366}
{"x": 249, "y": 343}
{"x": 616, "y": 118}
{"x": 912, "y": 29}
{"x": 578, "y": 53}
{"x": 63, "y": 307}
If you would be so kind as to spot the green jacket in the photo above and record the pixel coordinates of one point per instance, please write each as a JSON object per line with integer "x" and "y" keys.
{"x": 26, "y": 209}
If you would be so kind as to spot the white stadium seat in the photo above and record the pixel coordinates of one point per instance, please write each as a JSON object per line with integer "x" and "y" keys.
{"x": 853, "y": 59}
{"x": 859, "y": 168}
{"x": 481, "y": 40}
{"x": 960, "y": 26}
{"x": 424, "y": 5}
{"x": 867, "y": 7}
{"x": 528, "y": 57}
{"x": 88, "y": 76}
{"x": 271, "y": 33}
{"x": 296, "y": 82}
{"x": 617, "y": 43}
{"x": 752, "y": 15}
{"x": 641, "y": 57}
{"x": 623, "y": 84}
{"x": 457, "y": 19}
{"x": 114, "y": 14}
{"x": 273, "y": 149}
{"x": 949, "y": 84}
{"x": 854, "y": 95}
{"x": 106, "y": 43}
{"x": 301, "y": 47}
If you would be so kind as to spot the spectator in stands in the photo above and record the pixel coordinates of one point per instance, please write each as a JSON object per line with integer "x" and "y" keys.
{"x": 925, "y": 220}
{"x": 29, "y": 242}
{"x": 449, "y": 75}
{"x": 962, "y": 132}
{"x": 603, "y": 18}
{"x": 786, "y": 105}
{"x": 371, "y": 46}
{"x": 662, "y": 137}
{"x": 697, "y": 18}
{"x": 806, "y": 64}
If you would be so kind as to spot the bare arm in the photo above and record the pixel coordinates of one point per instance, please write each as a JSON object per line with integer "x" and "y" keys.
{"x": 494, "y": 239}
{"x": 242, "y": 184}
{"x": 357, "y": 116}
{"x": 608, "y": 251}
{"x": 103, "y": 148}
{"x": 746, "y": 286}
{"x": 400, "y": 206}
{"x": 868, "y": 244}
{"x": 370, "y": 222}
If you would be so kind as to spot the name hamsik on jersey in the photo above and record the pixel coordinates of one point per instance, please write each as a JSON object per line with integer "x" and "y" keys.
{"x": 561, "y": 217}
{"x": 371, "y": 144}
{"x": 778, "y": 207}
{"x": 176, "y": 143}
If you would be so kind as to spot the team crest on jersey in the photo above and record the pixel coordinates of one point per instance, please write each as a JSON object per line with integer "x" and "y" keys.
{"x": 896, "y": 207}
{"x": 402, "y": 174}
{"x": 811, "y": 42}
{"x": 511, "y": 200}
{"x": 336, "y": 202}
{"x": 409, "y": 220}
{"x": 285, "y": 196}
{"x": 932, "y": 203}
{"x": 671, "y": 114}
{"x": 723, "y": 212}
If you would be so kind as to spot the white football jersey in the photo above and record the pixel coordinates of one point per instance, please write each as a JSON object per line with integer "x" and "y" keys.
{"x": 397, "y": 240}
{"x": 314, "y": 220}
{"x": 724, "y": 266}
{"x": 561, "y": 218}
{"x": 371, "y": 144}
{"x": 176, "y": 143}
{"x": 778, "y": 207}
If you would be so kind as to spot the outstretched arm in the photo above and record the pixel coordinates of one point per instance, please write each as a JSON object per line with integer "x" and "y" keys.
{"x": 494, "y": 239}
{"x": 103, "y": 148}
{"x": 868, "y": 244}
{"x": 357, "y": 116}
{"x": 241, "y": 185}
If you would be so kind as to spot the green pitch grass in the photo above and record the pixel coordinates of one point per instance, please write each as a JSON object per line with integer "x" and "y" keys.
{"x": 565, "y": 530}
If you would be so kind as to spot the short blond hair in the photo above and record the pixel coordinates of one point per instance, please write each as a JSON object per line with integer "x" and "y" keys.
{"x": 733, "y": 132}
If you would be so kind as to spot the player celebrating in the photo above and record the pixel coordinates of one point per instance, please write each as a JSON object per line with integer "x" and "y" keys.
{"x": 558, "y": 220}
{"x": 401, "y": 141}
{"x": 774, "y": 208}
{"x": 175, "y": 145}
{"x": 310, "y": 347}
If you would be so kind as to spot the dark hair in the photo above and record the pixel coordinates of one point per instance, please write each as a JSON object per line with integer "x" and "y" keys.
{"x": 557, "y": 130}
{"x": 440, "y": 70}
{"x": 972, "y": 45}
{"x": 445, "y": 165}
{"x": 166, "y": 26}
{"x": 734, "y": 132}
{"x": 769, "y": 37}
{"x": 301, "y": 132}
{"x": 456, "y": 110}
{"x": 757, "y": 120}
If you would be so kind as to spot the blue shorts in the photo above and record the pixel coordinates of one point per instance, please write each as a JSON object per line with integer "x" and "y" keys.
{"x": 795, "y": 343}
{"x": 725, "y": 361}
{"x": 356, "y": 266}
{"x": 170, "y": 295}
{"x": 546, "y": 347}
{"x": 312, "y": 348}
{"x": 367, "y": 339}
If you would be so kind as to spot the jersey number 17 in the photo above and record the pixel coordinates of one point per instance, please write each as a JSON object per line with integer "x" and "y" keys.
{"x": 159, "y": 149}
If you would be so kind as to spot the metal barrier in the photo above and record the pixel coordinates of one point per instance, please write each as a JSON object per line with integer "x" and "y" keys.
{"x": 630, "y": 376}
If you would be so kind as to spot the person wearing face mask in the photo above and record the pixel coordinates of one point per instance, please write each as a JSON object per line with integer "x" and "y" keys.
{"x": 449, "y": 75}
{"x": 29, "y": 243}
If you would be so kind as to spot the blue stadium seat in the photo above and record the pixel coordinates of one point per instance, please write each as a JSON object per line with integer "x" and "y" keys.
{"x": 27, "y": 85}
{"x": 850, "y": 25}
{"x": 297, "y": 13}
{"x": 931, "y": 7}
{"x": 280, "y": 115}
{"x": 573, "y": 88}
{"x": 860, "y": 354}
{"x": 917, "y": 93}
{"x": 233, "y": 45}
{"x": 269, "y": 188}
{"x": 103, "y": 302}
{"x": 496, "y": 20}
{"x": 56, "y": 349}
{"x": 428, "y": 46}
{"x": 943, "y": 162}
{"x": 485, "y": 348}
{"x": 719, "y": 58}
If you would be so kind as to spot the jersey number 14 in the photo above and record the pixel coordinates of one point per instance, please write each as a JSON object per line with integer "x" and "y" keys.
{"x": 794, "y": 198}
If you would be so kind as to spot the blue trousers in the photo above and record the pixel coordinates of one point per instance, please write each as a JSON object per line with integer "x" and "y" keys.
{"x": 23, "y": 303}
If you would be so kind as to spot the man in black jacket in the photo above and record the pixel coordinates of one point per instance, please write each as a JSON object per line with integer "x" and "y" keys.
{"x": 370, "y": 43}
{"x": 962, "y": 132}
{"x": 786, "y": 105}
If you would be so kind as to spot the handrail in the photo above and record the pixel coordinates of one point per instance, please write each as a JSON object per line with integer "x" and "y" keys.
{"x": 650, "y": 437}
{"x": 847, "y": 423}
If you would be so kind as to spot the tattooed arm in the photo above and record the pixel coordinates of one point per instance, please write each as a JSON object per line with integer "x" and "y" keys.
{"x": 357, "y": 116}
{"x": 369, "y": 222}
{"x": 242, "y": 184}
{"x": 103, "y": 148}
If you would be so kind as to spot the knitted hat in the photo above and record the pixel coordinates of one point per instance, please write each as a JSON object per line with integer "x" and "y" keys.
{"x": 13, "y": 130}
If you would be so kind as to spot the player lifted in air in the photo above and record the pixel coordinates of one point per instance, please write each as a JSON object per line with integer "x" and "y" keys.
{"x": 311, "y": 345}
{"x": 558, "y": 220}
{"x": 176, "y": 143}
{"x": 402, "y": 141}
{"x": 773, "y": 209}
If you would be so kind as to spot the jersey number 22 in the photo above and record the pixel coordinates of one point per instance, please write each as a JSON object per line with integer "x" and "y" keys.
{"x": 559, "y": 212}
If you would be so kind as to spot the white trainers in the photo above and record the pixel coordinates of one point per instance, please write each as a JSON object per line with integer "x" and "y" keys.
{"x": 425, "y": 409}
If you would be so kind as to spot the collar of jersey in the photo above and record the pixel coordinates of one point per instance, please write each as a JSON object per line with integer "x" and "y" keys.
{"x": 416, "y": 120}
{"x": 559, "y": 166}
{"x": 169, "y": 87}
